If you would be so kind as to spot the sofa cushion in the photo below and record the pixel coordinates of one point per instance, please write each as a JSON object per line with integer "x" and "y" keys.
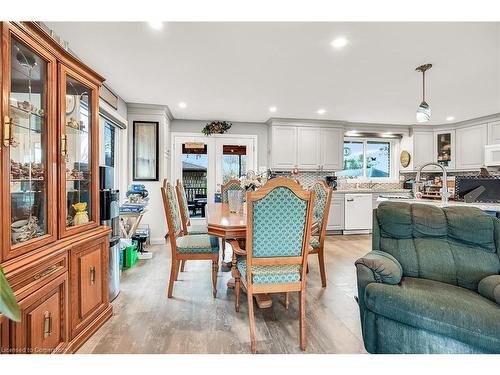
{"x": 197, "y": 244}
{"x": 441, "y": 308}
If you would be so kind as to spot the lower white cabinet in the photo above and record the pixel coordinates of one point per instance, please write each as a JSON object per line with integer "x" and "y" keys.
{"x": 358, "y": 211}
{"x": 470, "y": 146}
{"x": 336, "y": 214}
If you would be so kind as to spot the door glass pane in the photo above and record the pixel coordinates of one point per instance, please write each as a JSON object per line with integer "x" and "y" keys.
{"x": 353, "y": 160}
{"x": 378, "y": 159}
{"x": 194, "y": 176}
{"x": 234, "y": 162}
{"x": 78, "y": 143}
{"x": 444, "y": 149}
{"x": 28, "y": 108}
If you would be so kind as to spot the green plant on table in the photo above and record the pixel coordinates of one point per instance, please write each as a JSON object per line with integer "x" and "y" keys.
{"x": 8, "y": 303}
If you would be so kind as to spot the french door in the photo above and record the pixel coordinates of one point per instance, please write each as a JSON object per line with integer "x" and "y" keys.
{"x": 204, "y": 163}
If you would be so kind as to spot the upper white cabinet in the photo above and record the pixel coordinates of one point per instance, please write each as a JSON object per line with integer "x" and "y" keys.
{"x": 308, "y": 150}
{"x": 494, "y": 133}
{"x": 306, "y": 147}
{"x": 470, "y": 143}
{"x": 284, "y": 147}
{"x": 423, "y": 148}
{"x": 332, "y": 149}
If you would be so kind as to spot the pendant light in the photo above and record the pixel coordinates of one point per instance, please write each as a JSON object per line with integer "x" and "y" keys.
{"x": 423, "y": 110}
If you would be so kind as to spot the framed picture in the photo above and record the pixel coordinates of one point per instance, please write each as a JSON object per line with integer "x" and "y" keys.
{"x": 145, "y": 151}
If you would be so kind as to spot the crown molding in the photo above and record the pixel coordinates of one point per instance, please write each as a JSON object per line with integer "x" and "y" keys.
{"x": 145, "y": 108}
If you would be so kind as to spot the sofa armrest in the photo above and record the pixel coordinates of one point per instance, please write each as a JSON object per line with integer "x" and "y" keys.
{"x": 383, "y": 266}
{"x": 489, "y": 287}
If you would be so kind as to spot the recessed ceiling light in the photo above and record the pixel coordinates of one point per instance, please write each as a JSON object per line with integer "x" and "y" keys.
{"x": 321, "y": 111}
{"x": 182, "y": 105}
{"x": 273, "y": 109}
{"x": 339, "y": 42}
{"x": 450, "y": 118}
{"x": 157, "y": 25}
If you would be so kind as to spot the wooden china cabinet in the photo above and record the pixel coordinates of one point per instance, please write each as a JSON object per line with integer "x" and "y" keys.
{"x": 53, "y": 250}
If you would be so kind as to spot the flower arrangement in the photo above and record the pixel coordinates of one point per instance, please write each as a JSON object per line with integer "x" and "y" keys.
{"x": 251, "y": 181}
{"x": 216, "y": 127}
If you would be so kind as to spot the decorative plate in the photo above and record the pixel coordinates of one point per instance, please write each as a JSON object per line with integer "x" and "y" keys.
{"x": 405, "y": 158}
{"x": 70, "y": 104}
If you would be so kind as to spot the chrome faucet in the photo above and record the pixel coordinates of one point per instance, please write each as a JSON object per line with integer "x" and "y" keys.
{"x": 444, "y": 190}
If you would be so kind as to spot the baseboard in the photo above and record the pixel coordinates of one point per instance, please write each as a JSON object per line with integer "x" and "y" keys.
{"x": 88, "y": 331}
{"x": 357, "y": 231}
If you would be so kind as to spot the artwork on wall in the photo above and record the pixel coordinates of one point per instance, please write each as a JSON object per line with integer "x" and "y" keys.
{"x": 145, "y": 151}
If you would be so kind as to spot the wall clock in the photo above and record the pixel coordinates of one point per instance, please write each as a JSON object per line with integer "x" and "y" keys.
{"x": 405, "y": 158}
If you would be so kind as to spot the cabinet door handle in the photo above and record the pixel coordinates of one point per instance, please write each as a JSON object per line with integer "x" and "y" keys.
{"x": 47, "y": 324}
{"x": 92, "y": 275}
{"x": 350, "y": 199}
{"x": 7, "y": 131}
{"x": 63, "y": 144}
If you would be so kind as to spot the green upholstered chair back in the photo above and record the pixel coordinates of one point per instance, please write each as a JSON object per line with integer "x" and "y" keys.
{"x": 322, "y": 196}
{"x": 231, "y": 185}
{"x": 455, "y": 245}
{"x": 171, "y": 209}
{"x": 278, "y": 224}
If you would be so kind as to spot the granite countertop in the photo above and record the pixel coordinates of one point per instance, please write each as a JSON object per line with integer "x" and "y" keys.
{"x": 374, "y": 190}
{"x": 438, "y": 203}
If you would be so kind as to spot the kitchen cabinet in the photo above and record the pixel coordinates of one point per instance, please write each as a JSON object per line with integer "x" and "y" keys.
{"x": 336, "y": 213}
{"x": 332, "y": 149}
{"x": 4, "y": 335}
{"x": 470, "y": 143}
{"x": 444, "y": 148}
{"x": 423, "y": 148}
{"x": 284, "y": 147}
{"x": 49, "y": 189}
{"x": 308, "y": 148}
{"x": 89, "y": 283}
{"x": 494, "y": 133}
{"x": 358, "y": 212}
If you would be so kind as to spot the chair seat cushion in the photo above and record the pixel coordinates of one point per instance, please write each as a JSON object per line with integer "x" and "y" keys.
{"x": 279, "y": 274}
{"x": 197, "y": 244}
{"x": 198, "y": 229}
{"x": 314, "y": 242}
{"x": 441, "y": 308}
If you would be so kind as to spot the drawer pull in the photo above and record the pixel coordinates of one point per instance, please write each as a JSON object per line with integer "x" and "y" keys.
{"x": 46, "y": 272}
{"x": 47, "y": 324}
{"x": 350, "y": 199}
{"x": 92, "y": 275}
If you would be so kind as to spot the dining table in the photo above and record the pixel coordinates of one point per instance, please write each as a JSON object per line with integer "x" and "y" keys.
{"x": 227, "y": 225}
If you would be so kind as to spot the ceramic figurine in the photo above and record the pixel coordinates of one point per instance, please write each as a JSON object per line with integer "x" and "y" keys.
{"x": 81, "y": 216}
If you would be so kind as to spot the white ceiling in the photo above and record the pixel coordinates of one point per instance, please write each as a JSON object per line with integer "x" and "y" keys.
{"x": 236, "y": 71}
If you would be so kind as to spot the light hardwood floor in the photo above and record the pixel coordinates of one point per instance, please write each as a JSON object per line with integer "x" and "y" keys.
{"x": 146, "y": 321}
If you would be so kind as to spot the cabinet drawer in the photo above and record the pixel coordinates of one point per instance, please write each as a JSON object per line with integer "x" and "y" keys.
{"x": 89, "y": 282}
{"x": 43, "y": 326}
{"x": 4, "y": 335}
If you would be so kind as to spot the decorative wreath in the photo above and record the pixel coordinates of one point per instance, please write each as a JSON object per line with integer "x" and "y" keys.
{"x": 216, "y": 127}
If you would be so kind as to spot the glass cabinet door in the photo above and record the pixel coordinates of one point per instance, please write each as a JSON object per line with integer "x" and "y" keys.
{"x": 28, "y": 137}
{"x": 78, "y": 119}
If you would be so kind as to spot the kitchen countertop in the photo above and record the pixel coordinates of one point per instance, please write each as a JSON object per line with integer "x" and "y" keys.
{"x": 375, "y": 190}
{"x": 438, "y": 203}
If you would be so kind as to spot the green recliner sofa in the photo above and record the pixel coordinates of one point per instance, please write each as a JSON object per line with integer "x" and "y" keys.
{"x": 431, "y": 284}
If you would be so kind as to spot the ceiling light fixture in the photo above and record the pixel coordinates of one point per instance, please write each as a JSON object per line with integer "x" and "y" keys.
{"x": 273, "y": 109}
{"x": 157, "y": 25}
{"x": 321, "y": 111}
{"x": 423, "y": 110}
{"x": 450, "y": 118}
{"x": 339, "y": 42}
{"x": 182, "y": 105}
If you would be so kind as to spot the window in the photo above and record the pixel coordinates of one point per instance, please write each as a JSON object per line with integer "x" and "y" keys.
{"x": 367, "y": 158}
{"x": 234, "y": 160}
{"x": 109, "y": 145}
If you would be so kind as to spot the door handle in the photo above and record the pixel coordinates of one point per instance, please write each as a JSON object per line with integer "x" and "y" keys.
{"x": 7, "y": 131}
{"x": 92, "y": 275}
{"x": 64, "y": 144}
{"x": 47, "y": 324}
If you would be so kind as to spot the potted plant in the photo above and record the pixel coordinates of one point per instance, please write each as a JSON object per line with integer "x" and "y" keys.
{"x": 8, "y": 303}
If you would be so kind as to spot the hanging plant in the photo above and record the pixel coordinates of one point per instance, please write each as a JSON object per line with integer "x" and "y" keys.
{"x": 216, "y": 127}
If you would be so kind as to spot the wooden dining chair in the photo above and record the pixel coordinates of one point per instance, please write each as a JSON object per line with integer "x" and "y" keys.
{"x": 279, "y": 217}
{"x": 321, "y": 210}
{"x": 224, "y": 190}
{"x": 186, "y": 247}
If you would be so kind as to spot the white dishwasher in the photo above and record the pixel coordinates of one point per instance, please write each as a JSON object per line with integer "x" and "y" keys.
{"x": 358, "y": 213}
